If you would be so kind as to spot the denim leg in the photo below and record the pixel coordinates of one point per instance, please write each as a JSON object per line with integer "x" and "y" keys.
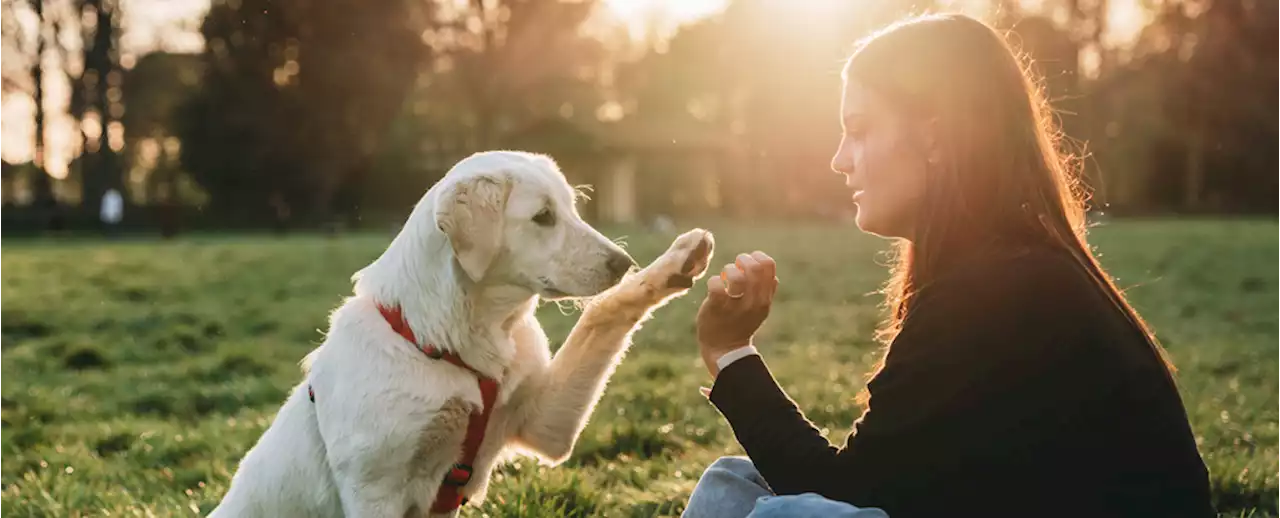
{"x": 732, "y": 488}
{"x": 727, "y": 489}
{"x": 810, "y": 505}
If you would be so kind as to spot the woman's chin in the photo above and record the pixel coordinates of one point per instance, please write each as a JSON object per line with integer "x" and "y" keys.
{"x": 870, "y": 225}
{"x": 865, "y": 223}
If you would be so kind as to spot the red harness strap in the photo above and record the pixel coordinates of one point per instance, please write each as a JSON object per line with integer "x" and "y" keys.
{"x": 449, "y": 497}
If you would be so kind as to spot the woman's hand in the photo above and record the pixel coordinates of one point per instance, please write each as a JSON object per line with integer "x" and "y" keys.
{"x": 737, "y": 303}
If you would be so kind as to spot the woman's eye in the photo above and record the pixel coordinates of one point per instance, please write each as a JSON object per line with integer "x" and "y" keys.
{"x": 545, "y": 218}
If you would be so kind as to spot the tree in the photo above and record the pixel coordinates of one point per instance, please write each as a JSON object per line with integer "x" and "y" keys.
{"x": 1190, "y": 118}
{"x": 153, "y": 90}
{"x": 42, "y": 184}
{"x": 765, "y": 75}
{"x": 296, "y": 99}
{"x": 509, "y": 64}
{"x": 15, "y": 73}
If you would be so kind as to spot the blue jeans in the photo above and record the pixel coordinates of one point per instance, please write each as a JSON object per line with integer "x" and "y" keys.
{"x": 732, "y": 488}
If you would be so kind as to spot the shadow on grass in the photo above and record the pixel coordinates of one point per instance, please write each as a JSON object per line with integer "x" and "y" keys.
{"x": 1234, "y": 499}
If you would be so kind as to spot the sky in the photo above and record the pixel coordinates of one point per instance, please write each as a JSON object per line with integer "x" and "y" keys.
{"x": 173, "y": 25}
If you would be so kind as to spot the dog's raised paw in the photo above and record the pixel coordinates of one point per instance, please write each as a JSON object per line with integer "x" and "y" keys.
{"x": 670, "y": 275}
{"x": 696, "y": 263}
{"x": 692, "y": 252}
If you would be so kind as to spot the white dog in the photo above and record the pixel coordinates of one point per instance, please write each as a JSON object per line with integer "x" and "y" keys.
{"x": 436, "y": 369}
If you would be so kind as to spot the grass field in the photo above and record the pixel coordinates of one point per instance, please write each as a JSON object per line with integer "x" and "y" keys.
{"x": 136, "y": 374}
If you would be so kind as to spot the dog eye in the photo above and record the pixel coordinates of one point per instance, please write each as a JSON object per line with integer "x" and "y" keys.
{"x": 545, "y": 218}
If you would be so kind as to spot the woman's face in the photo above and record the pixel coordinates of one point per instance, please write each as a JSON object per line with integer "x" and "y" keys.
{"x": 882, "y": 162}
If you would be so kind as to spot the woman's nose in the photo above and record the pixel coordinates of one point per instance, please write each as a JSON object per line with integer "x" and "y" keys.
{"x": 842, "y": 162}
{"x": 842, "y": 165}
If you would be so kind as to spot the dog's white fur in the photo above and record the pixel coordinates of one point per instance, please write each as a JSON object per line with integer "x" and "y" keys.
{"x": 467, "y": 270}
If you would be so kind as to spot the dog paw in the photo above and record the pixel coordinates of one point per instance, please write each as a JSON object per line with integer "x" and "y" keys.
{"x": 684, "y": 262}
{"x": 695, "y": 247}
{"x": 668, "y": 276}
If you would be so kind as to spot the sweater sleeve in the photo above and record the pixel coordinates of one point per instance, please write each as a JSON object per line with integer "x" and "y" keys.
{"x": 929, "y": 405}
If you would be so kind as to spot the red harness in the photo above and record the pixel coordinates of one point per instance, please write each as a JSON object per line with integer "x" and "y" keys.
{"x": 449, "y": 496}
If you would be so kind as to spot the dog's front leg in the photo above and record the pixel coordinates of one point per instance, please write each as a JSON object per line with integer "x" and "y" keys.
{"x": 559, "y": 399}
{"x": 367, "y": 501}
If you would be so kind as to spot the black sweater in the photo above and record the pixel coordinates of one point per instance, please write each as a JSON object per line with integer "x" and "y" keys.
{"x": 1015, "y": 388}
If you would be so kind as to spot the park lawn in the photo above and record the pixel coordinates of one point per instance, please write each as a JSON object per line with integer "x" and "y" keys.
{"x": 137, "y": 373}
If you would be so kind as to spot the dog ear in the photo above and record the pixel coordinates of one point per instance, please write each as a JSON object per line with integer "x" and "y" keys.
{"x": 470, "y": 213}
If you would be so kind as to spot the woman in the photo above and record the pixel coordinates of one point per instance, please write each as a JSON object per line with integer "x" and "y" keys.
{"x": 1017, "y": 381}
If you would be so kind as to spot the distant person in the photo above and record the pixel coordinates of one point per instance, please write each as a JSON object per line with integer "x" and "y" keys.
{"x": 111, "y": 212}
{"x": 1017, "y": 380}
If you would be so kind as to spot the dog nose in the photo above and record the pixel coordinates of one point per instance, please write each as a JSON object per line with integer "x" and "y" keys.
{"x": 619, "y": 264}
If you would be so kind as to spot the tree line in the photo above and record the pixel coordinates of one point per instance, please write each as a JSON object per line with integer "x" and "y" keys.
{"x": 299, "y": 112}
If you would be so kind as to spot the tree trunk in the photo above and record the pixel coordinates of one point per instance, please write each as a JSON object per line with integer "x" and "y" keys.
{"x": 1194, "y": 180}
{"x": 166, "y": 189}
{"x": 42, "y": 185}
{"x": 486, "y": 112}
{"x": 104, "y": 37}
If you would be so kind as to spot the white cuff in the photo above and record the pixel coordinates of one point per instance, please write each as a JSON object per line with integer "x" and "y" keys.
{"x": 735, "y": 355}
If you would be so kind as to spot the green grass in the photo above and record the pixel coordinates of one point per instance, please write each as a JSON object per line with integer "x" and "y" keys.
{"x": 136, "y": 374}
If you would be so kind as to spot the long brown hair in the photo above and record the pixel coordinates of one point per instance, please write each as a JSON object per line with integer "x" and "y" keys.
{"x": 1005, "y": 175}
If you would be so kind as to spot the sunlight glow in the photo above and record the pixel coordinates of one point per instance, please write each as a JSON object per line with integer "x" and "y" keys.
{"x": 173, "y": 25}
{"x": 683, "y": 10}
{"x": 647, "y": 18}
{"x": 1125, "y": 20}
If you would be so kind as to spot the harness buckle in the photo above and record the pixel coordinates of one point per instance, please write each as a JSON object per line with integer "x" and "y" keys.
{"x": 459, "y": 475}
{"x": 433, "y": 352}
